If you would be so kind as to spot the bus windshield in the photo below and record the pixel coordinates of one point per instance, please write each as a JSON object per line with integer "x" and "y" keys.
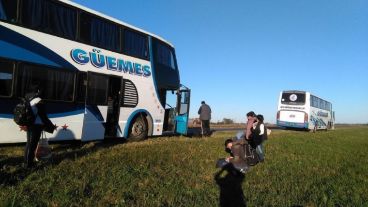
{"x": 292, "y": 98}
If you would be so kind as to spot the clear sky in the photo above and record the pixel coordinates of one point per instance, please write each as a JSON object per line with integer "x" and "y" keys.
{"x": 238, "y": 55}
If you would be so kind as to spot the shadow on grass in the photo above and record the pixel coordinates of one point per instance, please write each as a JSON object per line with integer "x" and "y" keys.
{"x": 196, "y": 132}
{"x": 12, "y": 171}
{"x": 231, "y": 191}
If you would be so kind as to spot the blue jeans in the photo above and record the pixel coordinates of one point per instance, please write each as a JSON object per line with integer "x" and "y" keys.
{"x": 260, "y": 152}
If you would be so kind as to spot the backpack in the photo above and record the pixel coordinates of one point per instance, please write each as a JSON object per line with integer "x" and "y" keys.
{"x": 251, "y": 155}
{"x": 23, "y": 113}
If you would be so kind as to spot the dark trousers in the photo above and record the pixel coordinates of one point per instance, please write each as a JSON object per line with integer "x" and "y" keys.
{"x": 205, "y": 127}
{"x": 33, "y": 136}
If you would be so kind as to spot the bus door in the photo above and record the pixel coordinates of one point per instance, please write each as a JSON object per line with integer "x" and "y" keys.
{"x": 182, "y": 115}
{"x": 102, "y": 106}
{"x": 113, "y": 106}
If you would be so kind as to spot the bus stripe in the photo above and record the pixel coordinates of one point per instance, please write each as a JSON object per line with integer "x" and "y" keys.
{"x": 17, "y": 46}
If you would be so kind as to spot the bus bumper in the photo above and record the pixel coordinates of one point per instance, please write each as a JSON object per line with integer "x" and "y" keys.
{"x": 292, "y": 124}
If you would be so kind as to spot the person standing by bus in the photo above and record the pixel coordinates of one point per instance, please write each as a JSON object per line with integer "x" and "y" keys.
{"x": 205, "y": 117}
{"x": 42, "y": 122}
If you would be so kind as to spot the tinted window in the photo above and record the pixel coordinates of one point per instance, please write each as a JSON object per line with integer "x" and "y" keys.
{"x": 97, "y": 88}
{"x": 99, "y": 32}
{"x": 165, "y": 56}
{"x": 323, "y": 105}
{"x": 166, "y": 74}
{"x": 50, "y": 17}
{"x": 81, "y": 87}
{"x": 8, "y": 10}
{"x": 319, "y": 103}
{"x": 55, "y": 84}
{"x": 293, "y": 98}
{"x": 315, "y": 101}
{"x": 6, "y": 78}
{"x": 135, "y": 44}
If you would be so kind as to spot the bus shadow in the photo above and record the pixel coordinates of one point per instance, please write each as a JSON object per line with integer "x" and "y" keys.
{"x": 231, "y": 191}
{"x": 12, "y": 171}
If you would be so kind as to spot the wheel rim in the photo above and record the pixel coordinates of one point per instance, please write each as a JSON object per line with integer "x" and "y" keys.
{"x": 138, "y": 128}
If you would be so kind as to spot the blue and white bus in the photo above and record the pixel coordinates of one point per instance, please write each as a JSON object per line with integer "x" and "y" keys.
{"x": 303, "y": 110}
{"x": 100, "y": 77}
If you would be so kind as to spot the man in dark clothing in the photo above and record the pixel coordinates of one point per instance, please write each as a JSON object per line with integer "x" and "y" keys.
{"x": 205, "y": 117}
{"x": 259, "y": 134}
{"x": 42, "y": 122}
{"x": 237, "y": 155}
{"x": 251, "y": 118}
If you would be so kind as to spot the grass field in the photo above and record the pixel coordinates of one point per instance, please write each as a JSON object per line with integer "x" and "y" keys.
{"x": 301, "y": 169}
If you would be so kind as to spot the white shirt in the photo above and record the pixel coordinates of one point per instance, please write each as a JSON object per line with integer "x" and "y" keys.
{"x": 33, "y": 104}
{"x": 261, "y": 128}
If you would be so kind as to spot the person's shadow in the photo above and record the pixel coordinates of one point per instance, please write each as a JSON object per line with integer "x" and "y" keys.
{"x": 68, "y": 150}
{"x": 231, "y": 192}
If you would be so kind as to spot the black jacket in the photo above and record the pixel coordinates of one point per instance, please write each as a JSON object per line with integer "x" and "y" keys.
{"x": 48, "y": 125}
{"x": 256, "y": 139}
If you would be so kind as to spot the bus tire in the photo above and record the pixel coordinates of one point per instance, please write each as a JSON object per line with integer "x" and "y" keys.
{"x": 138, "y": 129}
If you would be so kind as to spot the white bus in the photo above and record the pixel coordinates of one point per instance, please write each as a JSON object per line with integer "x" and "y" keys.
{"x": 301, "y": 109}
{"x": 100, "y": 77}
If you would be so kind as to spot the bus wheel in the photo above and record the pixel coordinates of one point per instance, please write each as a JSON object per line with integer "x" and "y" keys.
{"x": 139, "y": 129}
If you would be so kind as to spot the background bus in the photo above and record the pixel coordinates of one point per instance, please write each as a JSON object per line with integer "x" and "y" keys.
{"x": 100, "y": 77}
{"x": 300, "y": 109}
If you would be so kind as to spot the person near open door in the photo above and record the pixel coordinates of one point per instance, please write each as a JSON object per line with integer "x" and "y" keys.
{"x": 205, "y": 117}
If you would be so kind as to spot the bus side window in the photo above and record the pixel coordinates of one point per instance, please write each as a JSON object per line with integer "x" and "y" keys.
{"x": 165, "y": 56}
{"x": 6, "y": 78}
{"x": 99, "y": 32}
{"x": 8, "y": 10}
{"x": 56, "y": 84}
{"x": 50, "y": 17}
{"x": 135, "y": 44}
{"x": 98, "y": 85}
{"x": 81, "y": 87}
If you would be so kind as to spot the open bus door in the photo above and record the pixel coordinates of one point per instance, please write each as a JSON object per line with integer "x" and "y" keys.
{"x": 182, "y": 116}
{"x": 113, "y": 106}
{"x": 102, "y": 106}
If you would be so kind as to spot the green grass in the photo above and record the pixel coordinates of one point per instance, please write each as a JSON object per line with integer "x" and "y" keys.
{"x": 301, "y": 168}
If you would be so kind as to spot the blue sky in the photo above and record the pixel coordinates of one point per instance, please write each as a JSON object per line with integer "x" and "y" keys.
{"x": 238, "y": 55}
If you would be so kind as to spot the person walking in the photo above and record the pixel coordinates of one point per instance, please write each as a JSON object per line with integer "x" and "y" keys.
{"x": 42, "y": 122}
{"x": 205, "y": 117}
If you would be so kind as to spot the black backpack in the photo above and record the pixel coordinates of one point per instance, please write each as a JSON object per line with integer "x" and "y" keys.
{"x": 251, "y": 155}
{"x": 23, "y": 113}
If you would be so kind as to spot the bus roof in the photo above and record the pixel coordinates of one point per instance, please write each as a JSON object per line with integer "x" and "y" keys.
{"x": 293, "y": 91}
{"x": 113, "y": 19}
